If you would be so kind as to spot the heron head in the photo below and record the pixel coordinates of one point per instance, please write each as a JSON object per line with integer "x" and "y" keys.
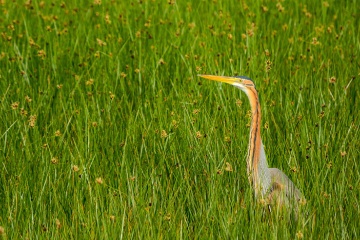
{"x": 242, "y": 82}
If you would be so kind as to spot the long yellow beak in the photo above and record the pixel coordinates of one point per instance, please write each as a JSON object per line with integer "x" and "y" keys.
{"x": 229, "y": 80}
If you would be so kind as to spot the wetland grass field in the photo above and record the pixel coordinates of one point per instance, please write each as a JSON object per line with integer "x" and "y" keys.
{"x": 107, "y": 132}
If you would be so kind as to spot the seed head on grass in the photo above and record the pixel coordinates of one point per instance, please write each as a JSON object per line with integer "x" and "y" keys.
{"x": 264, "y": 9}
{"x": 138, "y": 34}
{"x": 326, "y": 195}
{"x": 23, "y": 112}
{"x": 315, "y": 41}
{"x": 112, "y": 96}
{"x": 99, "y": 180}
{"x": 162, "y": 62}
{"x": 191, "y": 25}
{"x": 262, "y": 202}
{"x": 199, "y": 135}
{"x": 280, "y": 7}
{"x": 28, "y": 99}
{"x": 175, "y": 124}
{"x": 325, "y": 4}
{"x": 167, "y": 217}
{"x": 319, "y": 30}
{"x": 239, "y": 102}
{"x": 107, "y": 19}
{"x": 227, "y": 139}
{"x": 54, "y": 160}
{"x": 15, "y": 105}
{"x": 228, "y": 167}
{"x": 164, "y": 134}
{"x": 32, "y": 121}
{"x": 306, "y": 12}
{"x": 330, "y": 29}
{"x": 148, "y": 23}
{"x": 250, "y": 32}
{"x": 2, "y": 231}
{"x": 329, "y": 165}
{"x": 58, "y": 223}
{"x": 267, "y": 52}
{"x": 196, "y": 111}
{"x": 100, "y": 42}
{"x": 33, "y": 43}
{"x": 299, "y": 235}
{"x": 75, "y": 168}
{"x": 41, "y": 54}
{"x": 268, "y": 64}
{"x": 90, "y": 82}
{"x": 302, "y": 202}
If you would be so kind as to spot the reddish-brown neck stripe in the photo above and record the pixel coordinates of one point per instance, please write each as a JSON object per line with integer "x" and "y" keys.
{"x": 254, "y": 140}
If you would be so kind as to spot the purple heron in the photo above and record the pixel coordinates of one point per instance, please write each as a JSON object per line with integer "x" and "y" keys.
{"x": 269, "y": 184}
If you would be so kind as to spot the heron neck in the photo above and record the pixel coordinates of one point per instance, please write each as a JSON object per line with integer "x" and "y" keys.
{"x": 257, "y": 167}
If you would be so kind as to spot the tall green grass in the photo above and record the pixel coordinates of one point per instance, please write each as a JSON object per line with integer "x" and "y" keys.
{"x": 107, "y": 132}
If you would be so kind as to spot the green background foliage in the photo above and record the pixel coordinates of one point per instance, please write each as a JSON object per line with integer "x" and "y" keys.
{"x": 107, "y": 131}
